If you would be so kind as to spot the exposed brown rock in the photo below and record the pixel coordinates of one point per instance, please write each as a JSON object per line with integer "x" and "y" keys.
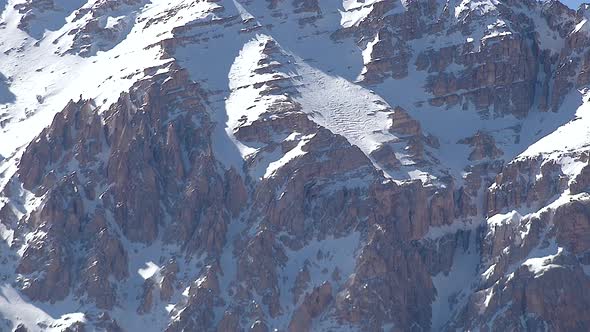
{"x": 313, "y": 305}
{"x": 519, "y": 184}
{"x": 229, "y": 322}
{"x": 145, "y": 173}
{"x": 147, "y": 297}
{"x": 484, "y": 146}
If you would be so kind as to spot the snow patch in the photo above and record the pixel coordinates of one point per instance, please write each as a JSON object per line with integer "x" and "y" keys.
{"x": 453, "y": 288}
{"x": 149, "y": 270}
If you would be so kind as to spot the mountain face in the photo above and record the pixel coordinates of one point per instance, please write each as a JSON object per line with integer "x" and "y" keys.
{"x": 294, "y": 165}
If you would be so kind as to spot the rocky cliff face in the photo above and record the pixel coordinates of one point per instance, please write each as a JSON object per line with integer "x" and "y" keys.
{"x": 294, "y": 166}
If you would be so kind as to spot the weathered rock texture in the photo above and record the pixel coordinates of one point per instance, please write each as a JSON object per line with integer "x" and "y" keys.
{"x": 223, "y": 190}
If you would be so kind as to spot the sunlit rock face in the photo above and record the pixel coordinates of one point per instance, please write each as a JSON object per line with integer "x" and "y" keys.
{"x": 294, "y": 165}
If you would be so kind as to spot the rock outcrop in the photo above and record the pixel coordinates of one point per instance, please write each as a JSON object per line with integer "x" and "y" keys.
{"x": 295, "y": 165}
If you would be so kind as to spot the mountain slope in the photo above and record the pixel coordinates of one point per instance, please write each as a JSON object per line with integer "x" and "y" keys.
{"x": 294, "y": 165}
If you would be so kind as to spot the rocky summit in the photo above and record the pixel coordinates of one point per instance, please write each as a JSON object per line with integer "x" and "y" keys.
{"x": 294, "y": 165}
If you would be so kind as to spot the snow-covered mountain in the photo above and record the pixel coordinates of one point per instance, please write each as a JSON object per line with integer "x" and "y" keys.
{"x": 294, "y": 165}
